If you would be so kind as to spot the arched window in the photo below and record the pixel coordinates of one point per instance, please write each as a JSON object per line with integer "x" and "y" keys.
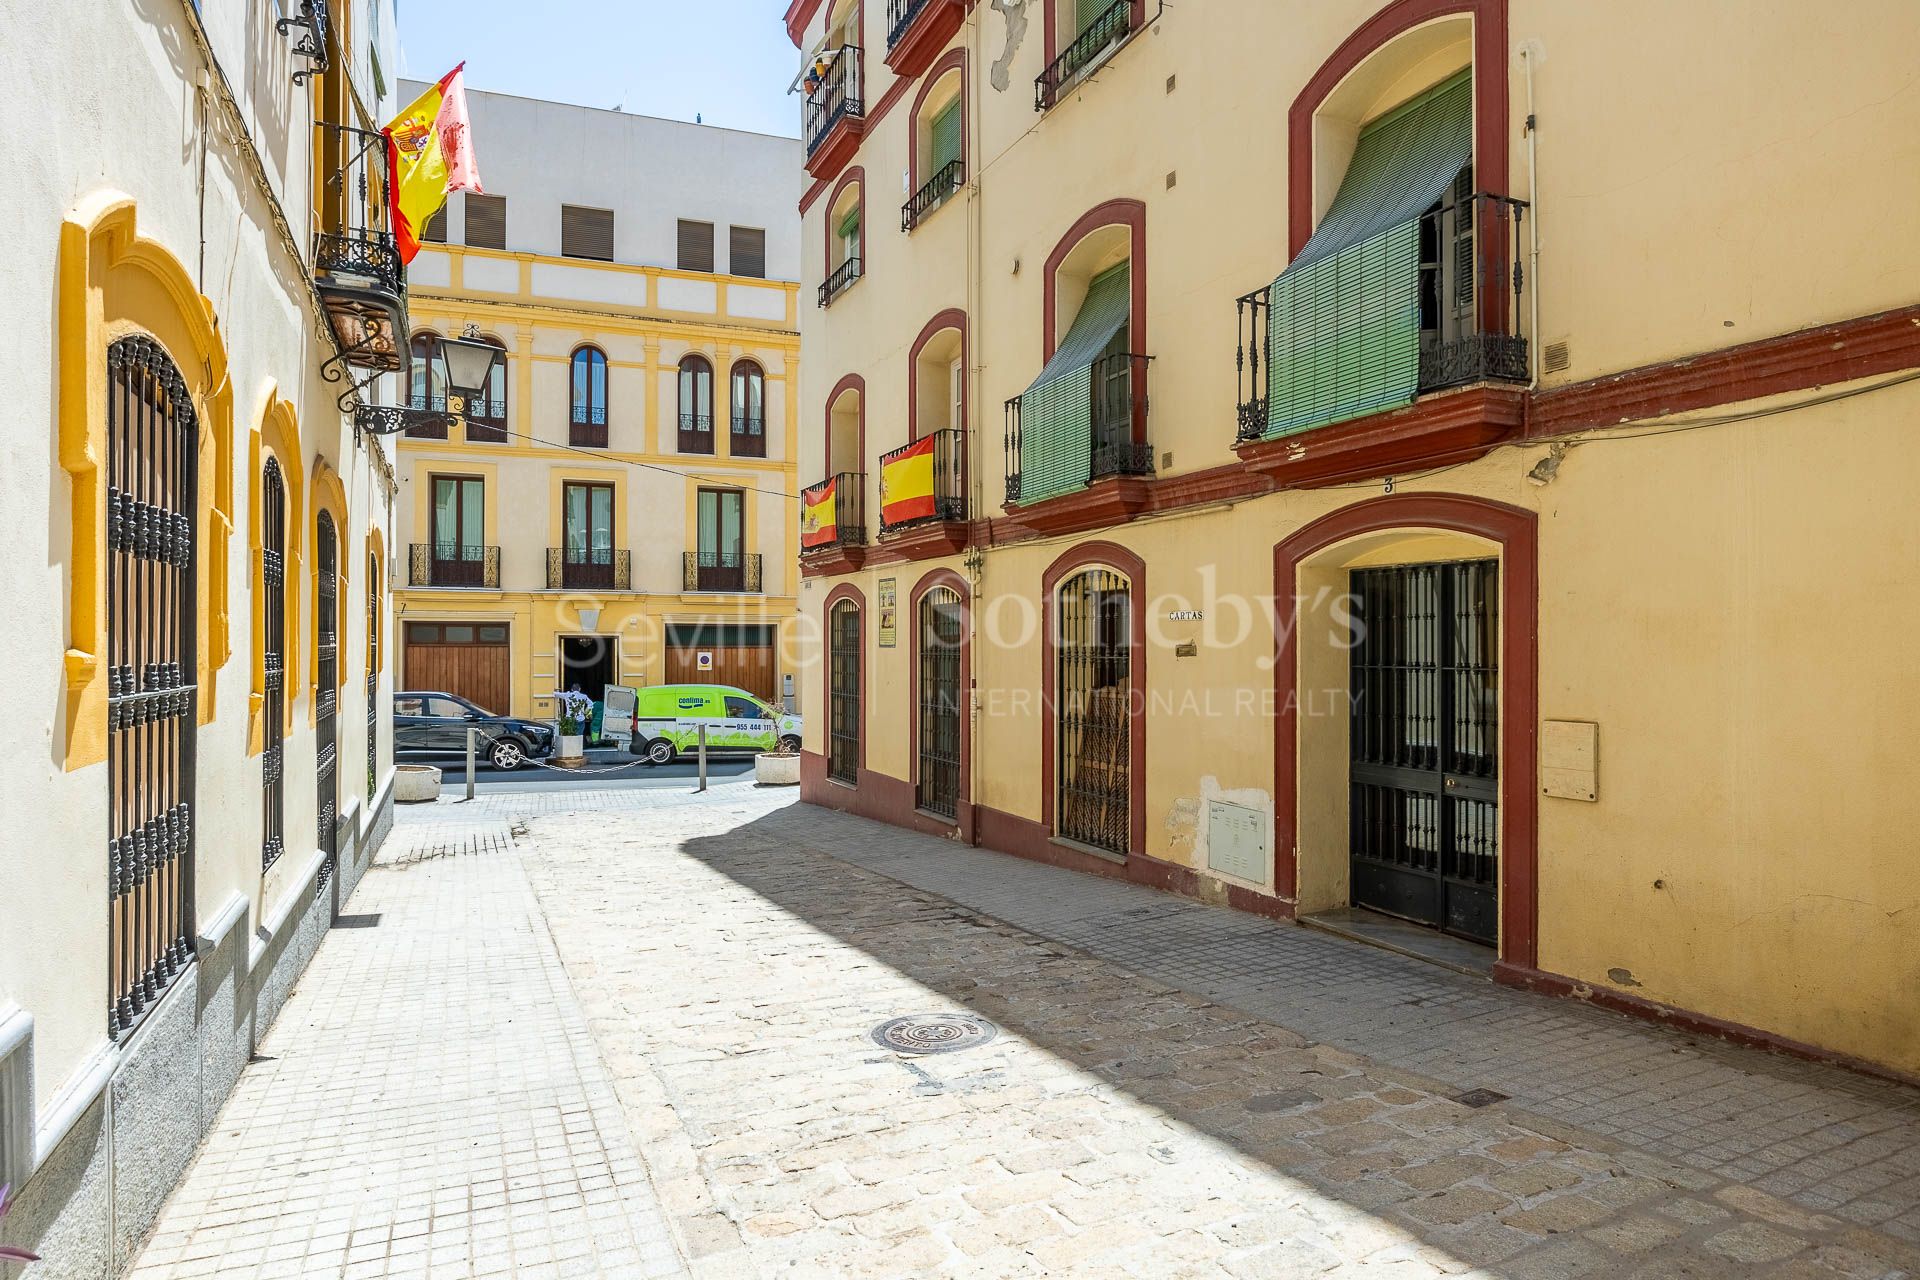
{"x": 748, "y": 435}
{"x": 696, "y": 404}
{"x": 326, "y": 695}
{"x": 427, "y": 383}
{"x": 942, "y": 630}
{"x": 373, "y": 671}
{"x": 937, "y": 164}
{"x": 588, "y": 420}
{"x": 487, "y": 415}
{"x": 844, "y": 689}
{"x": 846, "y": 237}
{"x": 1093, "y": 728}
{"x": 273, "y": 632}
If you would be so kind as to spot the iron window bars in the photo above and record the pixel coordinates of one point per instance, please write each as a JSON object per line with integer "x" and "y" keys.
{"x": 937, "y": 780}
{"x": 373, "y": 677}
{"x": 1101, "y": 35}
{"x": 152, "y": 502}
{"x": 326, "y": 696}
{"x": 273, "y": 575}
{"x": 1093, "y": 738}
{"x": 844, "y": 658}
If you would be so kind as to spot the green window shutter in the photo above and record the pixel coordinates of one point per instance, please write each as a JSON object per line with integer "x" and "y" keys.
{"x": 1087, "y": 12}
{"x": 1345, "y": 315}
{"x": 945, "y": 131}
{"x": 1056, "y": 412}
{"x": 850, "y": 225}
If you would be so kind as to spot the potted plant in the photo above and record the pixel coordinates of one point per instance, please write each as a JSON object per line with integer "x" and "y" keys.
{"x": 576, "y": 713}
{"x": 777, "y": 768}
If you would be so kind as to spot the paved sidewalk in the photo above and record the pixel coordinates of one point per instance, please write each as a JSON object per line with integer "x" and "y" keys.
{"x": 733, "y": 954}
{"x": 429, "y": 1103}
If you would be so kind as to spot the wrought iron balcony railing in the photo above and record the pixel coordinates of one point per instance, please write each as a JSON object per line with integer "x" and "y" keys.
{"x": 900, "y": 16}
{"x": 949, "y": 484}
{"x": 721, "y": 571}
{"x": 588, "y": 426}
{"x": 435, "y": 430}
{"x": 1104, "y": 34}
{"x": 834, "y": 95}
{"x": 696, "y": 433}
{"x": 935, "y": 192}
{"x": 748, "y": 438}
{"x": 356, "y": 263}
{"x": 1470, "y": 287}
{"x": 849, "y": 527}
{"x": 1116, "y": 426}
{"x": 589, "y": 569}
{"x": 840, "y": 281}
{"x": 486, "y": 420}
{"x": 453, "y": 564}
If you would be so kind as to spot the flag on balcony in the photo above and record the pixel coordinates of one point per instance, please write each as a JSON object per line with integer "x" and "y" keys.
{"x": 430, "y": 154}
{"x": 906, "y": 483}
{"x": 819, "y": 524}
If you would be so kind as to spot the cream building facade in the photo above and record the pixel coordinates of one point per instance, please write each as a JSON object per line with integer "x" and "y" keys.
{"x": 198, "y": 307}
{"x": 619, "y": 504}
{"x": 1442, "y": 458}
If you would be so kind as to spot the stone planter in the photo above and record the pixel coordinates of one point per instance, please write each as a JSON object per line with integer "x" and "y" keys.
{"x": 571, "y": 750}
{"x": 776, "y": 771}
{"x": 416, "y": 783}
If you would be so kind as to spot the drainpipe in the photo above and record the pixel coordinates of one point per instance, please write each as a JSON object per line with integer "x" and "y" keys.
{"x": 974, "y": 563}
{"x": 1528, "y": 53}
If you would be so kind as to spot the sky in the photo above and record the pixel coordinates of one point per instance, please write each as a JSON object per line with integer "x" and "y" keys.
{"x": 727, "y": 61}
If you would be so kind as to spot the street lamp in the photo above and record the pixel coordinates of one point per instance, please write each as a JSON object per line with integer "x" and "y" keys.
{"x": 468, "y": 362}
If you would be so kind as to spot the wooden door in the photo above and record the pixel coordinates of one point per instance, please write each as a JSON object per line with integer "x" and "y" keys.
{"x": 748, "y": 667}
{"x": 465, "y": 658}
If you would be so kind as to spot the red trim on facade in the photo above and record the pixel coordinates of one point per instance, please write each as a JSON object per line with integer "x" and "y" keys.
{"x": 1435, "y": 430}
{"x": 880, "y": 797}
{"x": 951, "y": 318}
{"x": 1489, "y": 97}
{"x": 953, "y": 581}
{"x": 843, "y": 593}
{"x": 1123, "y": 212}
{"x": 1554, "y": 984}
{"x": 799, "y": 14}
{"x": 1102, "y": 504}
{"x": 1886, "y": 342}
{"x": 1515, "y": 530}
{"x": 1114, "y": 556}
{"x": 855, "y": 174}
{"x": 936, "y": 23}
{"x": 955, "y": 60}
{"x": 852, "y": 382}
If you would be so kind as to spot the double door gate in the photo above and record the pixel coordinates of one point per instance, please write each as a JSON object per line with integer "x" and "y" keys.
{"x": 1423, "y": 779}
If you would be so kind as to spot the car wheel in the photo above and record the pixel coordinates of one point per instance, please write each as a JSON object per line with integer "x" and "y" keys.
{"x": 790, "y": 744}
{"x": 659, "y": 751}
{"x": 507, "y": 755}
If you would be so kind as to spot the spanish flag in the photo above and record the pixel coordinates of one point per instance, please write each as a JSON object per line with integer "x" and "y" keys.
{"x": 819, "y": 524}
{"x": 430, "y": 151}
{"x": 906, "y": 483}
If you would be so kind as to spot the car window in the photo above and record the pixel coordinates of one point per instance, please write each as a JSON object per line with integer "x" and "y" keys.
{"x": 744, "y": 709}
{"x": 409, "y": 706}
{"x": 770, "y": 712}
{"x": 445, "y": 707}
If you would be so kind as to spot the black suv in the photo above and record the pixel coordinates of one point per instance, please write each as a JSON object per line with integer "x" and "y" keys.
{"x": 433, "y": 726}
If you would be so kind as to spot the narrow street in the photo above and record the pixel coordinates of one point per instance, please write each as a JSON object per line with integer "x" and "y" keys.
{"x": 629, "y": 1033}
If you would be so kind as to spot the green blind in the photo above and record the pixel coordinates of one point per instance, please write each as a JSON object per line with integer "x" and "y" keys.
{"x": 946, "y": 138}
{"x": 1345, "y": 315}
{"x": 1056, "y": 412}
{"x": 1087, "y": 12}
{"x": 850, "y": 225}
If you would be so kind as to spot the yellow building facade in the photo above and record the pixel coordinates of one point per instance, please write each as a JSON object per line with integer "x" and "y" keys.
{"x": 1442, "y": 460}
{"x": 614, "y": 510}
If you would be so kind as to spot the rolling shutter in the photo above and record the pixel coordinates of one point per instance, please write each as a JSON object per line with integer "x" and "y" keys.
{"x": 586, "y": 233}
{"x": 1345, "y": 315}
{"x": 945, "y": 132}
{"x": 435, "y": 232}
{"x": 1088, "y": 12}
{"x": 486, "y": 221}
{"x": 696, "y": 246}
{"x": 747, "y": 252}
{"x": 1056, "y": 412}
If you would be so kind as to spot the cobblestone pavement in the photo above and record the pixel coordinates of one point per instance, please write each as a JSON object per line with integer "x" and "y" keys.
{"x": 1177, "y": 1090}
{"x": 429, "y": 1102}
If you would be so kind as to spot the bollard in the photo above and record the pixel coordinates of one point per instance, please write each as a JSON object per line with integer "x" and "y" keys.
{"x": 703, "y": 759}
{"x": 472, "y": 733}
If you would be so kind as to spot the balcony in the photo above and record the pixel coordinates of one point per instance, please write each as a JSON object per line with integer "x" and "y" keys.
{"x": 748, "y": 437}
{"x": 934, "y": 193}
{"x": 1089, "y": 49}
{"x": 1341, "y": 367}
{"x": 720, "y": 571}
{"x": 449, "y": 564}
{"x": 840, "y": 281}
{"x": 932, "y": 491}
{"x": 486, "y": 421}
{"x": 1052, "y": 452}
{"x": 589, "y": 569}
{"x": 696, "y": 433}
{"x": 835, "y": 112}
{"x": 917, "y": 30}
{"x": 588, "y": 427}
{"x": 428, "y": 430}
{"x": 356, "y": 264}
{"x": 833, "y": 523}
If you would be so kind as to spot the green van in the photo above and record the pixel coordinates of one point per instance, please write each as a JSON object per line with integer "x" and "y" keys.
{"x": 667, "y": 720}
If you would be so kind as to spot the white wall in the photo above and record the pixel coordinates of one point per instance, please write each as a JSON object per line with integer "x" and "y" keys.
{"x": 650, "y": 172}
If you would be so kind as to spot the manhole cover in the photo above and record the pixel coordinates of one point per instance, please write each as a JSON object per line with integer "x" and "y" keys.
{"x": 1479, "y": 1097}
{"x": 933, "y": 1033}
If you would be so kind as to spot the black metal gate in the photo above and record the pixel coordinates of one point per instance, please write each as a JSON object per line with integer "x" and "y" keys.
{"x": 843, "y": 727}
{"x": 1094, "y": 747}
{"x": 373, "y": 677}
{"x": 152, "y": 479}
{"x": 941, "y": 625}
{"x": 273, "y": 725}
{"x": 326, "y": 604}
{"x": 1425, "y": 722}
